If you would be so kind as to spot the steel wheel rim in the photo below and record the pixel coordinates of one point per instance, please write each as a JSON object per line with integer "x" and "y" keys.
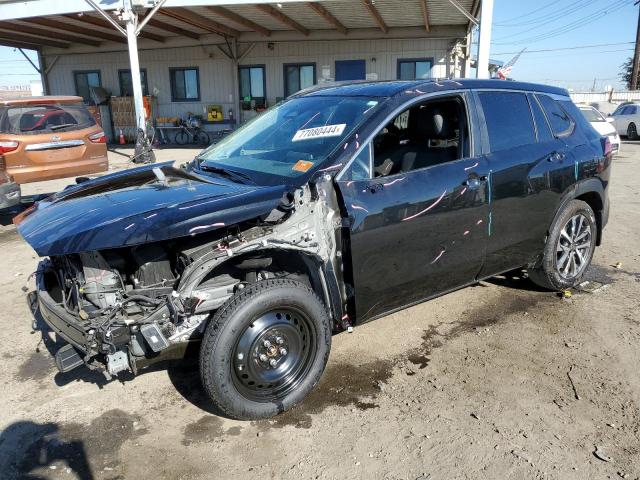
{"x": 273, "y": 354}
{"x": 573, "y": 249}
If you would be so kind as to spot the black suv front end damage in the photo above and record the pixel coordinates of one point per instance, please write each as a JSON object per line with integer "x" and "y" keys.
{"x": 124, "y": 308}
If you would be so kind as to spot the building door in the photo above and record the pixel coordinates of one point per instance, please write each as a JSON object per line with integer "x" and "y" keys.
{"x": 350, "y": 70}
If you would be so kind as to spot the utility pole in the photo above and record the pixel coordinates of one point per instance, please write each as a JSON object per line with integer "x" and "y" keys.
{"x": 636, "y": 55}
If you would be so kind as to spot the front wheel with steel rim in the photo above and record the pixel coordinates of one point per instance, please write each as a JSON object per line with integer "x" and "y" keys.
{"x": 632, "y": 132}
{"x": 569, "y": 248}
{"x": 265, "y": 349}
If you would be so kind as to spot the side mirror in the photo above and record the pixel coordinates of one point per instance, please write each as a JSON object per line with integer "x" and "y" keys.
{"x": 610, "y": 119}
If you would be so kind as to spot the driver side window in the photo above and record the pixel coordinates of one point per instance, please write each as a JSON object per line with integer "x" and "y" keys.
{"x": 427, "y": 134}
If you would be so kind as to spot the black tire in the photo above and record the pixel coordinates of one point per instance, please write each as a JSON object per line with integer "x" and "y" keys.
{"x": 202, "y": 138}
{"x": 234, "y": 344}
{"x": 182, "y": 137}
{"x": 564, "y": 245}
{"x": 632, "y": 132}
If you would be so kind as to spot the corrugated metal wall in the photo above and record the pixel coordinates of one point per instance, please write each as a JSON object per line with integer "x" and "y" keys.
{"x": 217, "y": 71}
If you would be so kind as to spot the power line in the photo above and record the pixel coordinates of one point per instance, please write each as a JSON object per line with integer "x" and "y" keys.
{"x": 583, "y": 21}
{"x": 509, "y": 20}
{"x": 576, "y": 47}
{"x": 549, "y": 17}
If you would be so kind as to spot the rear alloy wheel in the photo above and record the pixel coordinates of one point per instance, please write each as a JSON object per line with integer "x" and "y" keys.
{"x": 632, "y": 132}
{"x": 569, "y": 249}
{"x": 574, "y": 247}
{"x": 265, "y": 349}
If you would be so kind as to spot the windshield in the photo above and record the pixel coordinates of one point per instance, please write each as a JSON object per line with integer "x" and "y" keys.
{"x": 34, "y": 119}
{"x": 290, "y": 139}
{"x": 592, "y": 115}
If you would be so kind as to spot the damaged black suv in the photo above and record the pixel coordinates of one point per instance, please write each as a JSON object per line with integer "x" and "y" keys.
{"x": 337, "y": 206}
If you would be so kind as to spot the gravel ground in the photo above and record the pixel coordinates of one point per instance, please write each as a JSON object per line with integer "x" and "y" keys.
{"x": 499, "y": 380}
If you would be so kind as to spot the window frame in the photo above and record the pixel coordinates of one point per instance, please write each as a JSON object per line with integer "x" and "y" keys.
{"x": 463, "y": 94}
{"x": 172, "y": 82}
{"x": 264, "y": 81}
{"x": 531, "y": 97}
{"x": 285, "y": 81}
{"x": 75, "y": 82}
{"x": 145, "y": 83}
{"x": 399, "y": 61}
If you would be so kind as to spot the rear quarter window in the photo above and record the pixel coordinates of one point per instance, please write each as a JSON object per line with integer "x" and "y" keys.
{"x": 581, "y": 121}
{"x": 560, "y": 121}
{"x": 47, "y": 118}
{"x": 508, "y": 119}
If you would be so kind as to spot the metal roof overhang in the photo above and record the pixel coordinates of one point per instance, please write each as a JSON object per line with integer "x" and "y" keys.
{"x": 58, "y": 25}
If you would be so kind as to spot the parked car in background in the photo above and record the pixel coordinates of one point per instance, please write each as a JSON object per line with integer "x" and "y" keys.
{"x": 626, "y": 120}
{"x": 340, "y": 205}
{"x": 44, "y": 138}
{"x": 603, "y": 125}
{"x": 9, "y": 189}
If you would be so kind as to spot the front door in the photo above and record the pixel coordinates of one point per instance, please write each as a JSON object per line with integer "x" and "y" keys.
{"x": 350, "y": 70}
{"x": 416, "y": 230}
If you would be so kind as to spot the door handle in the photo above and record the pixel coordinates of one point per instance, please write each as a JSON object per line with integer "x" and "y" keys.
{"x": 471, "y": 183}
{"x": 474, "y": 182}
{"x": 556, "y": 157}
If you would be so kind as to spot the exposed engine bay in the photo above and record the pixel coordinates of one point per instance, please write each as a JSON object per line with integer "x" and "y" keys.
{"x": 122, "y": 309}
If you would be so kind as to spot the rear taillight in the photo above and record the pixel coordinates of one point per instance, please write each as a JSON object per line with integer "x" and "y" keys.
{"x": 7, "y": 146}
{"x": 99, "y": 137}
{"x": 606, "y": 146}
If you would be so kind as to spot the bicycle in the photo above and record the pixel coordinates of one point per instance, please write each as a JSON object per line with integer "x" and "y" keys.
{"x": 197, "y": 137}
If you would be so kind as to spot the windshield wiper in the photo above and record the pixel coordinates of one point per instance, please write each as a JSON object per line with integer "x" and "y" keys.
{"x": 57, "y": 127}
{"x": 237, "y": 176}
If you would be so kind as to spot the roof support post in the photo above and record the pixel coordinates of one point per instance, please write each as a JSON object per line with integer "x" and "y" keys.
{"x": 484, "y": 42}
{"x": 131, "y": 20}
{"x": 44, "y": 72}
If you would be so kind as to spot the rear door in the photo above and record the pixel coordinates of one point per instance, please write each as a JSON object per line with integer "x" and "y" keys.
{"x": 413, "y": 233}
{"x": 350, "y": 70}
{"x": 522, "y": 154}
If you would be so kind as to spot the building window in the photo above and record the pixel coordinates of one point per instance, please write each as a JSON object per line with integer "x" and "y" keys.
{"x": 414, "y": 68}
{"x": 252, "y": 86}
{"x": 126, "y": 84}
{"x": 85, "y": 79}
{"x": 298, "y": 76}
{"x": 185, "y": 84}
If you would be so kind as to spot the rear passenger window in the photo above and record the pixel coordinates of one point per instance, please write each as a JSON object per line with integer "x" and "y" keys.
{"x": 508, "y": 119}
{"x": 561, "y": 123}
{"x": 542, "y": 127}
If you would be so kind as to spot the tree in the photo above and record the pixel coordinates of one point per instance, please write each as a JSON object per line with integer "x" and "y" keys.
{"x": 626, "y": 72}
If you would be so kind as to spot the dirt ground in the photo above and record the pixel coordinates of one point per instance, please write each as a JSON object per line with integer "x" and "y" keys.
{"x": 500, "y": 380}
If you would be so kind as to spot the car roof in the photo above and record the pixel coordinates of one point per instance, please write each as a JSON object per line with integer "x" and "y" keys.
{"x": 392, "y": 88}
{"x": 41, "y": 100}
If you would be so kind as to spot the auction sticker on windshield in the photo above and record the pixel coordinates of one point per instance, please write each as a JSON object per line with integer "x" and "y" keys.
{"x": 319, "y": 132}
{"x": 302, "y": 166}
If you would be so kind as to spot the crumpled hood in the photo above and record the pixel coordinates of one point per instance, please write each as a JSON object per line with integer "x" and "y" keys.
{"x": 133, "y": 207}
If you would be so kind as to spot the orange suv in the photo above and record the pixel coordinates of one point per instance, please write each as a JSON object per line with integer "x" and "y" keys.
{"x": 44, "y": 138}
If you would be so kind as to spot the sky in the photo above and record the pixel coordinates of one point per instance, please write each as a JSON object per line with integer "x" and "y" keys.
{"x": 597, "y": 36}
{"x": 550, "y": 25}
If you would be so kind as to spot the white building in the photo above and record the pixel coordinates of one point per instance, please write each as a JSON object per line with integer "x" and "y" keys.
{"x": 242, "y": 55}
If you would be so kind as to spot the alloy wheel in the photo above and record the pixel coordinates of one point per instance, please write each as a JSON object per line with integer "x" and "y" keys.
{"x": 574, "y": 247}
{"x": 273, "y": 355}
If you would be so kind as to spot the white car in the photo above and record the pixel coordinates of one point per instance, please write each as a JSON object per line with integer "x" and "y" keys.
{"x": 605, "y": 126}
{"x": 626, "y": 120}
